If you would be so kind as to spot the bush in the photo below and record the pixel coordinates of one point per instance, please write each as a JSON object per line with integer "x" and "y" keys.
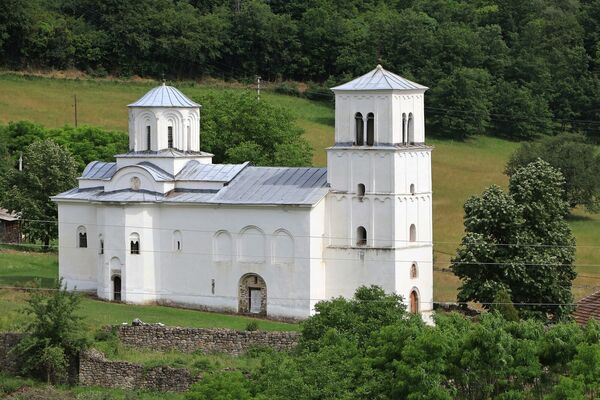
{"x": 252, "y": 326}
{"x": 221, "y": 386}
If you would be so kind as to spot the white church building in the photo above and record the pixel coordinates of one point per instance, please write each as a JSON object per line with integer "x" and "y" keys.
{"x": 164, "y": 224}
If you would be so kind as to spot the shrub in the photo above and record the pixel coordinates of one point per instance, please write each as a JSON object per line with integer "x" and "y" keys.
{"x": 252, "y": 326}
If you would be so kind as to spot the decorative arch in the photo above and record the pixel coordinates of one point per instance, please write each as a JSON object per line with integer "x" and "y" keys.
{"x": 252, "y": 245}
{"x": 283, "y": 250}
{"x": 82, "y": 237}
{"x": 414, "y": 302}
{"x": 222, "y": 246}
{"x": 361, "y": 236}
{"x": 177, "y": 241}
{"x": 134, "y": 243}
{"x": 252, "y": 297}
{"x": 174, "y": 129}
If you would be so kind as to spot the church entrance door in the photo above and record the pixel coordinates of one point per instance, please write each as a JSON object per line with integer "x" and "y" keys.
{"x": 255, "y": 299}
{"x": 252, "y": 295}
{"x": 116, "y": 288}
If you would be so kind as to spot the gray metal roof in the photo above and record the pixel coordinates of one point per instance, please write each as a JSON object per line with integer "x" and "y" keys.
{"x": 380, "y": 79}
{"x": 195, "y": 171}
{"x": 99, "y": 170}
{"x": 159, "y": 174}
{"x": 251, "y": 186}
{"x": 164, "y": 96}
{"x": 6, "y": 216}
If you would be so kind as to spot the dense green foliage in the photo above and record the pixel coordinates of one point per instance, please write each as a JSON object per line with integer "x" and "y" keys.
{"x": 533, "y": 65}
{"x": 519, "y": 242}
{"x": 48, "y": 169}
{"x": 86, "y": 143}
{"x": 577, "y": 160}
{"x": 403, "y": 358}
{"x": 238, "y": 128}
{"x": 53, "y": 336}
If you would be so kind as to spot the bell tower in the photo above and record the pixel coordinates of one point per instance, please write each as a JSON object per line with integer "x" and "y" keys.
{"x": 380, "y": 203}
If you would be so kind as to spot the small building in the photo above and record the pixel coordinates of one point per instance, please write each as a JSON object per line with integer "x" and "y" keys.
{"x": 10, "y": 227}
{"x": 587, "y": 309}
{"x": 165, "y": 224}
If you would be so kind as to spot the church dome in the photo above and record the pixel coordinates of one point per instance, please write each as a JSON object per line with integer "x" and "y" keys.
{"x": 164, "y": 96}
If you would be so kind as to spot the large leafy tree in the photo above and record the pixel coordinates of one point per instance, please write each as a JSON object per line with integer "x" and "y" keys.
{"x": 48, "y": 169}
{"x": 236, "y": 127}
{"x": 577, "y": 160}
{"x": 519, "y": 242}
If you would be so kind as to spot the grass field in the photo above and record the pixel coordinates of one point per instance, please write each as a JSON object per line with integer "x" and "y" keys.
{"x": 460, "y": 169}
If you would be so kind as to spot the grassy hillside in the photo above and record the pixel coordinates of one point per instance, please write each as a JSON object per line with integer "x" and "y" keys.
{"x": 460, "y": 169}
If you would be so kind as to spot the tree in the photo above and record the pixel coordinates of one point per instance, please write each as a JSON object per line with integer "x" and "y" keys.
{"x": 220, "y": 386}
{"x": 237, "y": 128}
{"x": 519, "y": 242}
{"x": 464, "y": 103}
{"x": 53, "y": 336}
{"x": 574, "y": 157}
{"x": 48, "y": 169}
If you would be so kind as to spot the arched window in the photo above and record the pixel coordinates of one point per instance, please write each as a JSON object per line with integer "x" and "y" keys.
{"x": 403, "y": 128}
{"x": 414, "y": 301}
{"x": 170, "y": 137}
{"x": 81, "y": 237}
{"x": 134, "y": 243}
{"x": 361, "y": 190}
{"x": 177, "y": 241}
{"x": 358, "y": 119}
{"x": 148, "y": 138}
{"x": 101, "y": 244}
{"x": 413, "y": 271}
{"x": 361, "y": 236}
{"x": 412, "y": 188}
{"x": 370, "y": 129}
{"x": 413, "y": 233}
{"x": 411, "y": 129}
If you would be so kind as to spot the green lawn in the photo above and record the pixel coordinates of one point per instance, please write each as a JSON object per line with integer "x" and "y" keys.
{"x": 460, "y": 169}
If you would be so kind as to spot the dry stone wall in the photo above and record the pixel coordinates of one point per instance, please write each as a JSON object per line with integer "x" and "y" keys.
{"x": 8, "y": 362}
{"x": 96, "y": 370}
{"x": 188, "y": 340}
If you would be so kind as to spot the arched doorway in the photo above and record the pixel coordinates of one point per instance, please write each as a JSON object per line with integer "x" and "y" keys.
{"x": 253, "y": 295}
{"x": 116, "y": 287}
{"x": 414, "y": 301}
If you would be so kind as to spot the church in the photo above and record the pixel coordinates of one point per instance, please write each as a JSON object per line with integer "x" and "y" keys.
{"x": 163, "y": 224}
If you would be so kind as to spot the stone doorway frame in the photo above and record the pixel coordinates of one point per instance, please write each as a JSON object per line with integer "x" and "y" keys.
{"x": 256, "y": 282}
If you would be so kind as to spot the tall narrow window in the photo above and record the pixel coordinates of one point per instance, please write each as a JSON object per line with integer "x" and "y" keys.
{"x": 414, "y": 302}
{"x": 370, "y": 129}
{"x": 413, "y": 233}
{"x": 412, "y": 188}
{"x": 361, "y": 190}
{"x": 360, "y": 137}
{"x": 101, "y": 244}
{"x": 189, "y": 138}
{"x": 177, "y": 241}
{"x": 148, "y": 138}
{"x": 170, "y": 136}
{"x": 134, "y": 243}
{"x": 403, "y": 128}
{"x": 411, "y": 129}
{"x": 413, "y": 271}
{"x": 81, "y": 237}
{"x": 361, "y": 236}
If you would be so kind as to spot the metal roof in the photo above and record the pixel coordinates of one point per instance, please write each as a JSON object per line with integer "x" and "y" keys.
{"x": 380, "y": 79}
{"x": 251, "y": 186}
{"x": 195, "y": 171}
{"x": 99, "y": 170}
{"x": 164, "y": 96}
{"x": 7, "y": 216}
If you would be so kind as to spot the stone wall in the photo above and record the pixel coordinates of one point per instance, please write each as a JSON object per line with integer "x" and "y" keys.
{"x": 8, "y": 362}
{"x": 96, "y": 370}
{"x": 188, "y": 340}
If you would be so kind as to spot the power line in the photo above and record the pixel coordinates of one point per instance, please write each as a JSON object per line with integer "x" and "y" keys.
{"x": 212, "y": 232}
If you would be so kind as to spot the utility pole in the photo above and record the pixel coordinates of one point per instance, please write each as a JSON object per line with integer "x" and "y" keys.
{"x": 21, "y": 161}
{"x": 75, "y": 104}
{"x": 258, "y": 88}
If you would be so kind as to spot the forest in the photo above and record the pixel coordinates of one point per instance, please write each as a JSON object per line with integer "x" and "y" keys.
{"x": 512, "y": 68}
